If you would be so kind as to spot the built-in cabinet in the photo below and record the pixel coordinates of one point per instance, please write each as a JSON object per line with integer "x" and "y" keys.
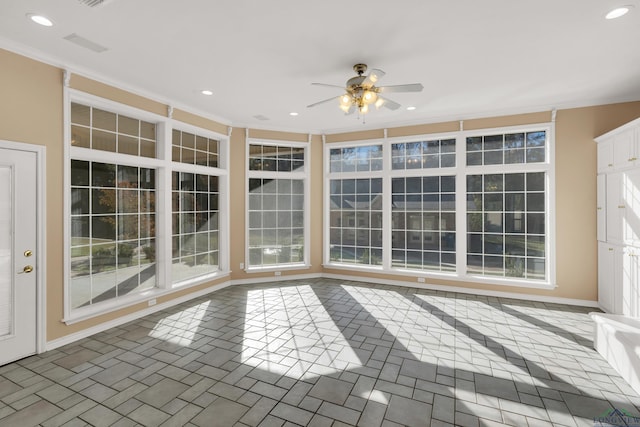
{"x": 616, "y": 335}
{"x": 618, "y": 220}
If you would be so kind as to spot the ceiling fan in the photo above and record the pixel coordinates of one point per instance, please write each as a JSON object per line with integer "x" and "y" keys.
{"x": 361, "y": 91}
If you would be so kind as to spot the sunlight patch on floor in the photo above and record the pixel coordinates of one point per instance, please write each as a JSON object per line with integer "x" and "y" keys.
{"x": 287, "y": 331}
{"x": 180, "y": 328}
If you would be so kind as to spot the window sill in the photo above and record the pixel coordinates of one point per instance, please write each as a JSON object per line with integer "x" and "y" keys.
{"x": 283, "y": 267}
{"x": 452, "y": 276}
{"x": 85, "y": 313}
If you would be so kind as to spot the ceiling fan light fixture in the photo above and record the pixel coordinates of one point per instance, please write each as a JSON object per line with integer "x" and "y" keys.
{"x": 345, "y": 108}
{"x": 369, "y": 97}
{"x": 379, "y": 102}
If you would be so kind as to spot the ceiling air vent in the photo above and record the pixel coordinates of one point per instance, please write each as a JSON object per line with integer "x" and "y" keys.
{"x": 260, "y": 117}
{"x": 94, "y": 3}
{"x": 85, "y": 43}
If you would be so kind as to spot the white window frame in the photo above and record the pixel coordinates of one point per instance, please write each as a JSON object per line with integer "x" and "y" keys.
{"x": 460, "y": 171}
{"x": 223, "y": 199}
{"x": 386, "y": 202}
{"x": 164, "y": 166}
{"x": 420, "y": 172}
{"x": 303, "y": 175}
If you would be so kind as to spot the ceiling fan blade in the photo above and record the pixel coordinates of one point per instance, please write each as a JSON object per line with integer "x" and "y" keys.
{"x": 413, "y": 87}
{"x": 373, "y": 77}
{"x": 333, "y": 98}
{"x": 327, "y": 85}
{"x": 386, "y": 102}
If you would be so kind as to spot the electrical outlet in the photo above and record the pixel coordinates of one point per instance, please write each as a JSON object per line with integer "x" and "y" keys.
{"x": 278, "y": 273}
{"x": 152, "y": 302}
{"x": 242, "y": 266}
{"x": 420, "y": 279}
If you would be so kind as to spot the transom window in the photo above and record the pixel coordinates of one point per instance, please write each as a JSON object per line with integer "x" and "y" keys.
{"x": 356, "y": 159}
{"x": 424, "y": 154}
{"x": 103, "y": 130}
{"x": 509, "y": 148}
{"x": 194, "y": 149}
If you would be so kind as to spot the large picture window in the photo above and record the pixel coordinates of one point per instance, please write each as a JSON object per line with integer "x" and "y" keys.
{"x": 127, "y": 183}
{"x": 277, "y": 180}
{"x": 466, "y": 205}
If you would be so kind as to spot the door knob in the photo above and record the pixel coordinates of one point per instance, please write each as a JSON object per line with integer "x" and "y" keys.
{"x": 28, "y": 253}
{"x": 26, "y": 269}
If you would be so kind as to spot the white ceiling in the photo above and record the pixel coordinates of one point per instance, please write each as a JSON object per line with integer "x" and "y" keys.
{"x": 474, "y": 58}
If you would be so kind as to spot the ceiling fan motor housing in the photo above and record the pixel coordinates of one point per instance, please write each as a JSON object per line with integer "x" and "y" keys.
{"x": 360, "y": 68}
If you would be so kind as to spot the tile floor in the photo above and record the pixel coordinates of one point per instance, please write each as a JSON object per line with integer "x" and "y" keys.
{"x": 325, "y": 353}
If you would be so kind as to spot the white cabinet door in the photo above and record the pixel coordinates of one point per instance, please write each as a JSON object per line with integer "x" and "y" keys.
{"x": 625, "y": 150}
{"x": 629, "y": 291}
{"x": 631, "y": 201}
{"x": 606, "y": 277}
{"x": 605, "y": 156}
{"x": 601, "y": 213}
{"x": 615, "y": 208}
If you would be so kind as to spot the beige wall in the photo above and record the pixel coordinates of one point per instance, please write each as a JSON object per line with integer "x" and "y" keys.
{"x": 32, "y": 112}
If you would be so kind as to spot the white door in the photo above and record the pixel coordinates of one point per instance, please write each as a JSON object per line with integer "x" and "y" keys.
{"x": 18, "y": 263}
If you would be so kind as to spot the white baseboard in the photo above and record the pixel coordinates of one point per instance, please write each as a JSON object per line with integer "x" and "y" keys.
{"x": 463, "y": 290}
{"x": 68, "y": 339}
{"x": 251, "y": 281}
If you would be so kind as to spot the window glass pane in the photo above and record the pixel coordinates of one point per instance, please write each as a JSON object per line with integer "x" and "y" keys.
{"x": 511, "y": 239}
{"x": 80, "y": 114}
{"x": 355, "y": 221}
{"x": 195, "y": 241}
{"x": 104, "y": 120}
{"x": 128, "y": 126}
{"x": 112, "y": 239}
{"x": 418, "y": 215}
{"x": 80, "y": 136}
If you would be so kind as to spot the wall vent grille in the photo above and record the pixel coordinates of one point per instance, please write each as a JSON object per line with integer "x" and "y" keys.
{"x": 94, "y": 3}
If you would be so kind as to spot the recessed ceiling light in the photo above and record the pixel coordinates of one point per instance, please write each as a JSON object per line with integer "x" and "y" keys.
{"x": 40, "y": 19}
{"x": 206, "y": 92}
{"x": 618, "y": 12}
{"x": 293, "y": 113}
{"x": 411, "y": 108}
